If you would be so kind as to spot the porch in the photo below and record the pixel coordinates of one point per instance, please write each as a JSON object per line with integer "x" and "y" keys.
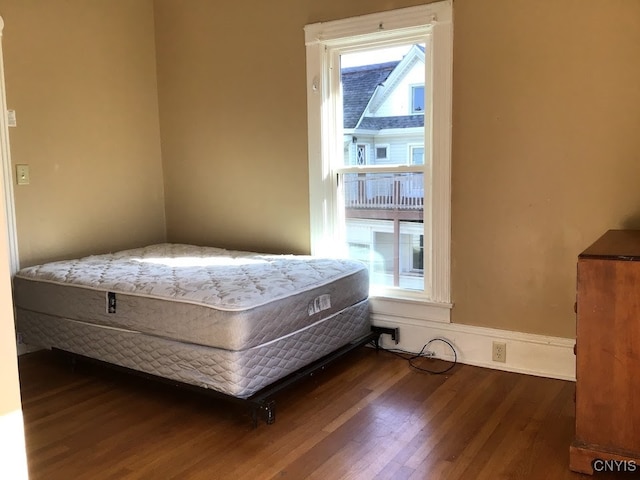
{"x": 390, "y": 196}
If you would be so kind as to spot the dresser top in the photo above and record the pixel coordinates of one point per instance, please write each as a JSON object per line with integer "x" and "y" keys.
{"x": 615, "y": 245}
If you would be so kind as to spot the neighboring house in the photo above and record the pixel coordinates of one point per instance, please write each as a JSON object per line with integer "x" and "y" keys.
{"x": 383, "y": 118}
{"x": 383, "y": 111}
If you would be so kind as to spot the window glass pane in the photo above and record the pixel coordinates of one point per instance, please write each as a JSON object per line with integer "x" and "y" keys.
{"x": 361, "y": 155}
{"x": 384, "y": 226}
{"x": 383, "y": 256}
{"x": 418, "y": 99}
{"x": 376, "y": 105}
{"x": 417, "y": 155}
{"x": 360, "y": 251}
{"x": 383, "y": 212}
{"x": 411, "y": 255}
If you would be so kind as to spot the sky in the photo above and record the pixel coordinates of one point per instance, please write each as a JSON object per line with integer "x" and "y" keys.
{"x": 372, "y": 57}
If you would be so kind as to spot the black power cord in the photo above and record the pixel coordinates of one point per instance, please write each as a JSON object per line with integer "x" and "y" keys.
{"x": 413, "y": 356}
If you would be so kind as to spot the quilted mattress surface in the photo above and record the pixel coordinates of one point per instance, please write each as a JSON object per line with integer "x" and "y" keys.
{"x": 202, "y": 295}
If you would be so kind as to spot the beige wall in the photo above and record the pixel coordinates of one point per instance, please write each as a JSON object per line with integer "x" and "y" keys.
{"x": 545, "y": 149}
{"x": 233, "y": 116}
{"x": 81, "y": 76}
{"x": 546, "y": 152}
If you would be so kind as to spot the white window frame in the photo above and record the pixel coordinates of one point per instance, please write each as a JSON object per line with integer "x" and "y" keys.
{"x": 434, "y": 20}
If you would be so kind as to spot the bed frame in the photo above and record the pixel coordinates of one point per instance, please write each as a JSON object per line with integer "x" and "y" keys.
{"x": 238, "y": 325}
{"x": 262, "y": 403}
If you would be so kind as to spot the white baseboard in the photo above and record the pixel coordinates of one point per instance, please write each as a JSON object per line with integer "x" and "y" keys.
{"x": 527, "y": 353}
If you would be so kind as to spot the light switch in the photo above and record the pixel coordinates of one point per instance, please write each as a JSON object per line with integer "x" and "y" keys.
{"x": 22, "y": 174}
{"x": 11, "y": 118}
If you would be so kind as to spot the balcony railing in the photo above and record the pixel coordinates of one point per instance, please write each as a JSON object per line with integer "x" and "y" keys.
{"x": 399, "y": 191}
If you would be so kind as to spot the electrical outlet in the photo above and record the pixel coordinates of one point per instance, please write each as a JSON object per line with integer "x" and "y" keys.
{"x": 22, "y": 174}
{"x": 499, "y": 352}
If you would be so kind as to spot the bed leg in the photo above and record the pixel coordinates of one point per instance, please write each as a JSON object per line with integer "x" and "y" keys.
{"x": 73, "y": 363}
{"x": 270, "y": 412}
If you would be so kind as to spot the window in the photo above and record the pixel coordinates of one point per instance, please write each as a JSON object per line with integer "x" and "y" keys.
{"x": 417, "y": 99}
{"x": 381, "y": 153}
{"x": 416, "y": 154}
{"x": 394, "y": 212}
{"x": 361, "y": 154}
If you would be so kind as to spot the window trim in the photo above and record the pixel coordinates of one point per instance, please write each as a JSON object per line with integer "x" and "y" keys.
{"x": 380, "y": 28}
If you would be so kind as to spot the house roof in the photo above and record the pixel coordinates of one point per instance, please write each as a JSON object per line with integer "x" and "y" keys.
{"x": 380, "y": 123}
{"x": 366, "y": 87}
{"x": 358, "y": 86}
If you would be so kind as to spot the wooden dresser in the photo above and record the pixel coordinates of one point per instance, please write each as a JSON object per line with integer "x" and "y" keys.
{"x": 608, "y": 353}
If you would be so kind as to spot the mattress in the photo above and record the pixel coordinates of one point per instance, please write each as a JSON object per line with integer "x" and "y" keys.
{"x": 201, "y": 295}
{"x": 225, "y": 320}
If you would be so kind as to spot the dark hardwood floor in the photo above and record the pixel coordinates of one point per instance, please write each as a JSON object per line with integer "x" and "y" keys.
{"x": 368, "y": 416}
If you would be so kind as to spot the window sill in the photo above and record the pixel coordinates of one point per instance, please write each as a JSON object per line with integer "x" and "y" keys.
{"x": 410, "y": 308}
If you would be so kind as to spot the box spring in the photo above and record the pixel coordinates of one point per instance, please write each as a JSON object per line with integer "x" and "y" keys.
{"x": 237, "y": 373}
